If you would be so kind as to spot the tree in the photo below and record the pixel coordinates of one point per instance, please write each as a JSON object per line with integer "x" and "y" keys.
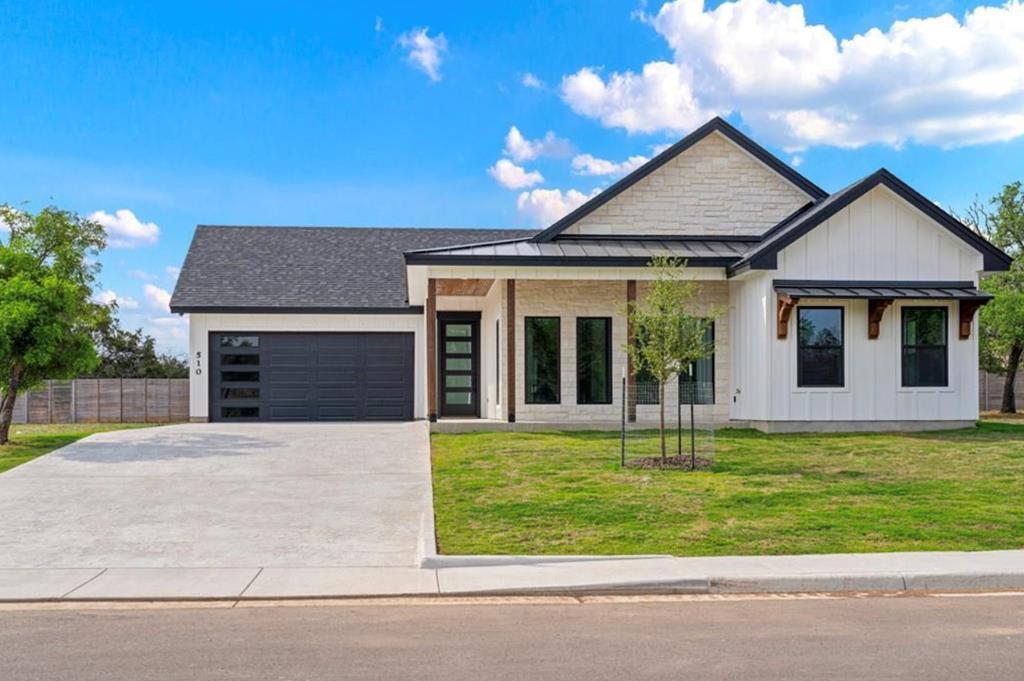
{"x": 132, "y": 354}
{"x": 670, "y": 331}
{"x": 1002, "y": 320}
{"x": 47, "y": 317}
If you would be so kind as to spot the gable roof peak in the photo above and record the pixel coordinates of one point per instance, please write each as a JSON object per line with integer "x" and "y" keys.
{"x": 716, "y": 124}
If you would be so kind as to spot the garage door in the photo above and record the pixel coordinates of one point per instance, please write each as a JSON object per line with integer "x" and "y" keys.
{"x": 311, "y": 376}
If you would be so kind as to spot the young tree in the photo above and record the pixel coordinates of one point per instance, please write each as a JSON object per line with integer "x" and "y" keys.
{"x": 670, "y": 330}
{"x": 47, "y": 317}
{"x": 1002, "y": 320}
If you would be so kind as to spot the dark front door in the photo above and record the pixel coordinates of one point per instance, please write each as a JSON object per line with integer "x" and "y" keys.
{"x": 459, "y": 358}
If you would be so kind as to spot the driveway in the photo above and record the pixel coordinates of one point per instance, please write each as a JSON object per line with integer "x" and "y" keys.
{"x": 223, "y": 495}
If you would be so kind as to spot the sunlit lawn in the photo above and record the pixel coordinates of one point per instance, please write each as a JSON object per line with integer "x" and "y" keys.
{"x": 564, "y": 493}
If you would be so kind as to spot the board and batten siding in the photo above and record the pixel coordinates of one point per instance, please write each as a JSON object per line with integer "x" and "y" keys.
{"x": 878, "y": 237}
{"x": 202, "y": 324}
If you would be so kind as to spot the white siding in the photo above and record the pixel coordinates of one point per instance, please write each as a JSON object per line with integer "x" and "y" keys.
{"x": 878, "y": 237}
{"x": 200, "y": 326}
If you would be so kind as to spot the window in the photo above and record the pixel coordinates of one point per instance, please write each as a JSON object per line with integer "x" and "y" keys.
{"x": 543, "y": 341}
{"x": 819, "y": 361}
{"x": 925, "y": 362}
{"x": 497, "y": 361}
{"x": 239, "y": 341}
{"x": 699, "y": 383}
{"x": 593, "y": 360}
{"x": 646, "y": 385}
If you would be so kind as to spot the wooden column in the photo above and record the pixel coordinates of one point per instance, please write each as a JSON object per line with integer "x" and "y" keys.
{"x": 630, "y": 340}
{"x": 510, "y": 345}
{"x": 432, "y": 349}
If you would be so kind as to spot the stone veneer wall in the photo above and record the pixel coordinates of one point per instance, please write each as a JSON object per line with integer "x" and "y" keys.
{"x": 571, "y": 299}
{"x": 713, "y": 187}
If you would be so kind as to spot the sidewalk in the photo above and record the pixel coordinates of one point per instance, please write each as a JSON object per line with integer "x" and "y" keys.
{"x": 508, "y": 575}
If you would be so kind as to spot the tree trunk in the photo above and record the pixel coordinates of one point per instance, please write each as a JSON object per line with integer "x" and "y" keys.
{"x": 661, "y": 427}
{"x": 1009, "y": 405}
{"x": 7, "y": 405}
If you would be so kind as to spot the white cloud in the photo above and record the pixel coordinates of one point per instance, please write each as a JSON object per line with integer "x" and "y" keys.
{"x": 545, "y": 206}
{"x": 123, "y": 302}
{"x": 585, "y": 164}
{"x": 522, "y": 149}
{"x": 532, "y": 81}
{"x": 158, "y": 298}
{"x": 141, "y": 274}
{"x": 425, "y": 52}
{"x": 124, "y": 230}
{"x": 170, "y": 332}
{"x": 172, "y": 272}
{"x": 938, "y": 80}
{"x": 511, "y": 176}
{"x": 378, "y": 25}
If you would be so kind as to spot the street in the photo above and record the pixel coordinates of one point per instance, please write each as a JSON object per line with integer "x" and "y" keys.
{"x": 975, "y": 636}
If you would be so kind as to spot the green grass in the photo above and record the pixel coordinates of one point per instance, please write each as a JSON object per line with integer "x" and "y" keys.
{"x": 27, "y": 441}
{"x": 564, "y": 493}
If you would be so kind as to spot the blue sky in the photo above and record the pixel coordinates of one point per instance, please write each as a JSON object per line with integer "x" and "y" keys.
{"x": 393, "y": 113}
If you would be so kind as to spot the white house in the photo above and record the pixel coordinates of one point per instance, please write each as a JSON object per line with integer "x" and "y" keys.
{"x": 854, "y": 310}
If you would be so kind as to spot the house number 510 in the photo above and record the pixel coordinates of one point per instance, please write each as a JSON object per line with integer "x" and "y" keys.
{"x": 199, "y": 363}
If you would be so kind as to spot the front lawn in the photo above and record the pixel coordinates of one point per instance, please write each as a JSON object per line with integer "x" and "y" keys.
{"x": 564, "y": 493}
{"x": 28, "y": 441}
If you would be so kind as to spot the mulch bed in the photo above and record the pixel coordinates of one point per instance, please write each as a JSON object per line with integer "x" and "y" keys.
{"x": 678, "y": 463}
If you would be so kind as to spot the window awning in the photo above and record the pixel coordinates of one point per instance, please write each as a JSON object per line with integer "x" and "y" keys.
{"x": 881, "y": 290}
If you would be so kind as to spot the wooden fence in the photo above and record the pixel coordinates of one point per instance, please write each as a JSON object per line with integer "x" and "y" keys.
{"x": 105, "y": 400}
{"x": 990, "y": 390}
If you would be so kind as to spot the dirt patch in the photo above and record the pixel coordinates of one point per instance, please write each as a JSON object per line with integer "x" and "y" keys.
{"x": 678, "y": 463}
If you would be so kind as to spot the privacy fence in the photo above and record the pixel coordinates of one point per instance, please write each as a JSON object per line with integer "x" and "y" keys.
{"x": 990, "y": 390}
{"x": 105, "y": 400}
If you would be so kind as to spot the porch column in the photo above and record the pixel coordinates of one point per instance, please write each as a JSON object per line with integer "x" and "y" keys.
{"x": 510, "y": 344}
{"x": 630, "y": 340}
{"x": 431, "y": 322}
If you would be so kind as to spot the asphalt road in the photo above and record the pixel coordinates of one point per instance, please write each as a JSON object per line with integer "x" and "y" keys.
{"x": 974, "y": 637}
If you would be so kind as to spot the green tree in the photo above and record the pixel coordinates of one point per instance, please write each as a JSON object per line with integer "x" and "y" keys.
{"x": 673, "y": 333}
{"x": 1002, "y": 320}
{"x": 132, "y": 354}
{"x": 47, "y": 317}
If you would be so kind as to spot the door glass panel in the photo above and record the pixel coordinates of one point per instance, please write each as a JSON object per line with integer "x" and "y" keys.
{"x": 459, "y": 330}
{"x": 458, "y": 381}
{"x": 239, "y": 412}
{"x": 458, "y": 398}
{"x": 239, "y": 376}
{"x": 453, "y": 364}
{"x": 239, "y": 393}
{"x": 239, "y": 341}
{"x": 458, "y": 347}
{"x": 240, "y": 359}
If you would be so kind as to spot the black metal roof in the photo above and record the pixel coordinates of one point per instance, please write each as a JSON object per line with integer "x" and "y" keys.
{"x": 716, "y": 124}
{"x": 590, "y": 251}
{"x": 880, "y": 290}
{"x": 307, "y": 269}
{"x": 764, "y": 255}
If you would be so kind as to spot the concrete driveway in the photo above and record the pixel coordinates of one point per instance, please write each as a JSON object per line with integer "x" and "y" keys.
{"x": 223, "y": 495}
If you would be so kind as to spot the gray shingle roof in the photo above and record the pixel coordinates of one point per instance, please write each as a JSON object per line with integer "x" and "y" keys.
{"x": 308, "y": 267}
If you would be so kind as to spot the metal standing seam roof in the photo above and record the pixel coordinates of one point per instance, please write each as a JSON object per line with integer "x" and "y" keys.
{"x": 594, "y": 251}
{"x": 881, "y": 290}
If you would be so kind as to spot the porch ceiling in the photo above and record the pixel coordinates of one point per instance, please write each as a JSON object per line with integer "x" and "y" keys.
{"x": 464, "y": 287}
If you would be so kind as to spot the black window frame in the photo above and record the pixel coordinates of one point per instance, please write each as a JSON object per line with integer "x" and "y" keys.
{"x": 841, "y": 347}
{"x": 710, "y": 359}
{"x": 919, "y": 346}
{"x": 529, "y": 396}
{"x": 607, "y": 398}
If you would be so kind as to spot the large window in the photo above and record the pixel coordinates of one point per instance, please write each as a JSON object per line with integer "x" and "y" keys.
{"x": 543, "y": 342}
{"x": 925, "y": 360}
{"x": 593, "y": 360}
{"x": 819, "y": 362}
{"x": 698, "y": 384}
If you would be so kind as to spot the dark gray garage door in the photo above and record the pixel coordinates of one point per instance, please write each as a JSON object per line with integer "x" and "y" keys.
{"x": 311, "y": 376}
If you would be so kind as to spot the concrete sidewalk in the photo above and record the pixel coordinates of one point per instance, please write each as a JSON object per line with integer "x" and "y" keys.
{"x": 466, "y": 575}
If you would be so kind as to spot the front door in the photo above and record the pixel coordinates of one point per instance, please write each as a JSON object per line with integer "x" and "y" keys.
{"x": 459, "y": 360}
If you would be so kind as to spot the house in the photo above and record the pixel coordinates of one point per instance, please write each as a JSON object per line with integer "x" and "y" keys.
{"x": 852, "y": 310}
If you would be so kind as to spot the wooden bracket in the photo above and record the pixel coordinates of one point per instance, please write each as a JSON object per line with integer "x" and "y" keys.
{"x": 876, "y": 308}
{"x": 967, "y": 310}
{"x": 783, "y": 310}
